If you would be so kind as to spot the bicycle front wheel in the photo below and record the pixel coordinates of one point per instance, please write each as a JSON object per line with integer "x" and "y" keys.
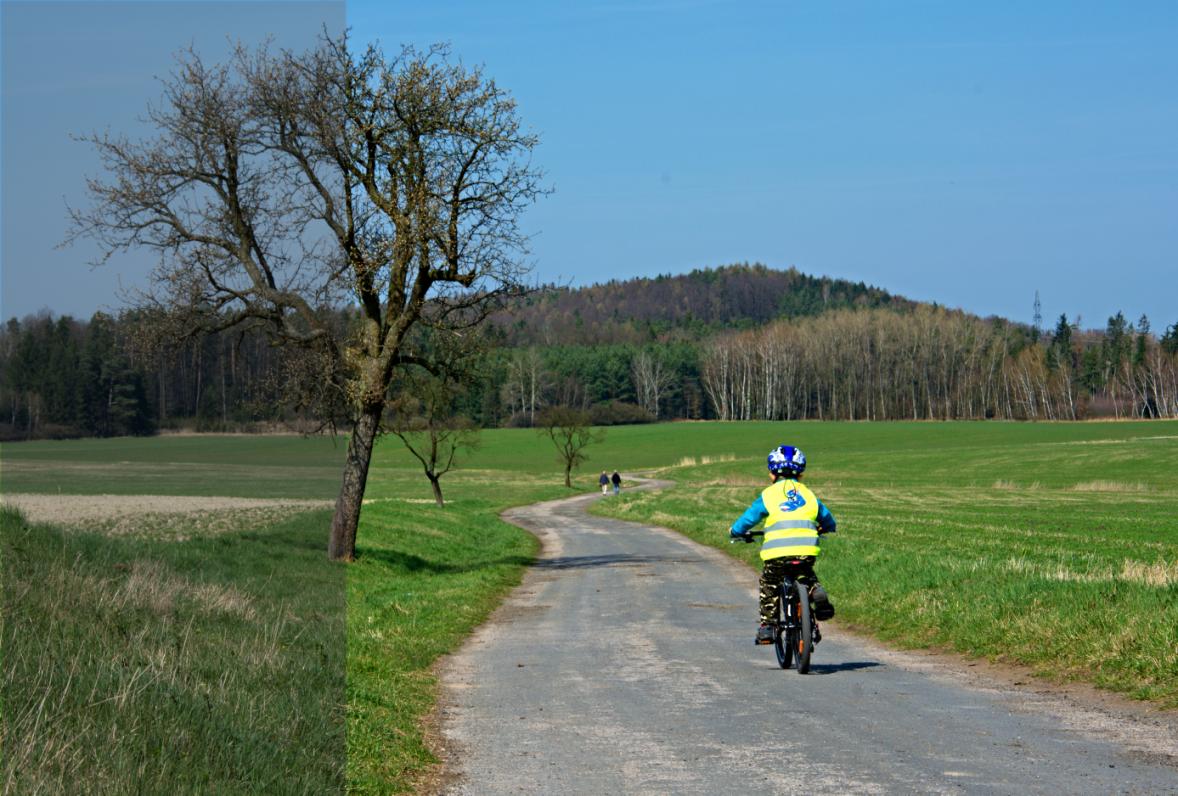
{"x": 803, "y": 641}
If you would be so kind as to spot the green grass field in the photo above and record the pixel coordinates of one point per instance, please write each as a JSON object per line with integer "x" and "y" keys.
{"x": 1051, "y": 545}
{"x": 227, "y": 466}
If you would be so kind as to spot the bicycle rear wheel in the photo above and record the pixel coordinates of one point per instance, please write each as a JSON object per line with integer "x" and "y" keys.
{"x": 803, "y": 636}
{"x": 782, "y": 639}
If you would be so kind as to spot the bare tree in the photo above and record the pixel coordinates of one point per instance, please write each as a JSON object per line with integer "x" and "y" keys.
{"x": 651, "y": 379}
{"x": 571, "y": 433}
{"x": 423, "y": 421}
{"x": 282, "y": 184}
{"x": 878, "y": 364}
{"x": 526, "y": 383}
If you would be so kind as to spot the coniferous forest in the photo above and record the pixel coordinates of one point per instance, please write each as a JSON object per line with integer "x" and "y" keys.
{"x": 736, "y": 343}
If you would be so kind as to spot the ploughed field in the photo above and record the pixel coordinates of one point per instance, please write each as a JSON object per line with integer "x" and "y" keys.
{"x": 1049, "y": 545}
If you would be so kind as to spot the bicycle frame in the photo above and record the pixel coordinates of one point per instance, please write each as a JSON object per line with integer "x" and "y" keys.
{"x": 794, "y": 631}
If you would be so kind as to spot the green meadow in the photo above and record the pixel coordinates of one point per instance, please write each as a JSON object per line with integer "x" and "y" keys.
{"x": 232, "y": 656}
{"x": 1053, "y": 546}
{"x": 198, "y": 465}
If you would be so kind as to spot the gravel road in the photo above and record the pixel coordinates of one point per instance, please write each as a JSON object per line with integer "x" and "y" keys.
{"x": 624, "y": 664}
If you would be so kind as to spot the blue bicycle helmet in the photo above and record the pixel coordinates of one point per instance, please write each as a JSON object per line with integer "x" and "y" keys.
{"x": 787, "y": 460}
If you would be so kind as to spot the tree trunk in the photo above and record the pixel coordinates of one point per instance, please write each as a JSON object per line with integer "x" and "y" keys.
{"x": 199, "y": 374}
{"x": 568, "y": 479}
{"x": 224, "y": 401}
{"x": 437, "y": 486}
{"x": 341, "y": 545}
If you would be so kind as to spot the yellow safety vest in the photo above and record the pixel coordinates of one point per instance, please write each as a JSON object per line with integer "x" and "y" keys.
{"x": 791, "y": 529}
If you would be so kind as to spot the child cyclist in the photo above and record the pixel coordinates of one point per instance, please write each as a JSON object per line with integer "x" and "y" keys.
{"x": 794, "y": 518}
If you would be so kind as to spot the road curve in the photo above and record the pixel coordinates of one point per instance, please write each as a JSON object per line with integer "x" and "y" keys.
{"x": 624, "y": 664}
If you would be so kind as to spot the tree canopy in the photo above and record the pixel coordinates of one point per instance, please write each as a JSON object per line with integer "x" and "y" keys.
{"x": 279, "y": 186}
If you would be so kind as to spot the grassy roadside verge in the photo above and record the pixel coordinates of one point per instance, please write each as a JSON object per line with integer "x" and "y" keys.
{"x": 424, "y": 579}
{"x": 1053, "y": 547}
{"x": 146, "y": 665}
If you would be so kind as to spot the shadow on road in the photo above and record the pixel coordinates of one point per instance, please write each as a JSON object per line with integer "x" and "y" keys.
{"x": 611, "y": 560}
{"x": 849, "y": 666}
{"x": 409, "y": 563}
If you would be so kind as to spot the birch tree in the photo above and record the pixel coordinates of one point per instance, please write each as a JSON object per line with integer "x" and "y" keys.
{"x": 651, "y": 379}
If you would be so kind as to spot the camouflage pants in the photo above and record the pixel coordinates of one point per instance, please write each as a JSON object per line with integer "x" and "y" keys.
{"x": 772, "y": 575}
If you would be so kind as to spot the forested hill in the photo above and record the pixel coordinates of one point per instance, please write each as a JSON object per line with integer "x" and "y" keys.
{"x": 687, "y": 306}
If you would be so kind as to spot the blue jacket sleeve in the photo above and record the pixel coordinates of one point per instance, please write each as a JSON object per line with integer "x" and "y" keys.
{"x": 751, "y": 518}
{"x": 826, "y": 523}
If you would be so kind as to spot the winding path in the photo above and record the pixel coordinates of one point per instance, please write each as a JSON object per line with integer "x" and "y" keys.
{"x": 624, "y": 664}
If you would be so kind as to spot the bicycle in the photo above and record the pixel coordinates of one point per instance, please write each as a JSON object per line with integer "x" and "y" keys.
{"x": 794, "y": 632}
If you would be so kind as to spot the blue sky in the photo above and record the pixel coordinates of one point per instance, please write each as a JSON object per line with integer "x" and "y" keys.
{"x": 74, "y": 68}
{"x": 965, "y": 153}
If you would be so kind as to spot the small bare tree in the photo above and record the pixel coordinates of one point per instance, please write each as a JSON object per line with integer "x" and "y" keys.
{"x": 279, "y": 185}
{"x": 423, "y": 420}
{"x": 571, "y": 432}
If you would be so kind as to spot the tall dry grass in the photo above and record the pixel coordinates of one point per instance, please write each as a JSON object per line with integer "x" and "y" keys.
{"x": 142, "y": 666}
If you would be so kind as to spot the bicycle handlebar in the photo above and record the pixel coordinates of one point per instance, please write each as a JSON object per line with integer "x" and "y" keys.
{"x": 749, "y": 535}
